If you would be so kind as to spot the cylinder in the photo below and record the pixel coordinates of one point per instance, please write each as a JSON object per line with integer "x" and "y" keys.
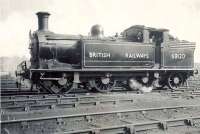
{"x": 43, "y": 21}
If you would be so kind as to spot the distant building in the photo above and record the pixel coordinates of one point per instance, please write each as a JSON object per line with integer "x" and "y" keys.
{"x": 9, "y": 64}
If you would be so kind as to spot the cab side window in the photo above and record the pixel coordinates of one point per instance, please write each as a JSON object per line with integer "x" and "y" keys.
{"x": 135, "y": 35}
{"x": 156, "y": 37}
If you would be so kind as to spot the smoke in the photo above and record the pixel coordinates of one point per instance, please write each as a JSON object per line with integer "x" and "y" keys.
{"x": 145, "y": 89}
{"x": 135, "y": 85}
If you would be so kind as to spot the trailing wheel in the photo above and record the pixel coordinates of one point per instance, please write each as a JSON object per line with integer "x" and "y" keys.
{"x": 175, "y": 80}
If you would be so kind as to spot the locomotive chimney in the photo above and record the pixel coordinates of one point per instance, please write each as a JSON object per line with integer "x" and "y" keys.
{"x": 43, "y": 21}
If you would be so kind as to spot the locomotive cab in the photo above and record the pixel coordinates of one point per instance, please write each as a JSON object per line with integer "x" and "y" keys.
{"x": 147, "y": 35}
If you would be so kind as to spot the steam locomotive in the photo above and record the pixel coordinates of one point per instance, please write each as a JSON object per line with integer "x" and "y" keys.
{"x": 139, "y": 57}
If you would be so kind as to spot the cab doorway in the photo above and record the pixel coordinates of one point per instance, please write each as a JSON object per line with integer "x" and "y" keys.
{"x": 156, "y": 37}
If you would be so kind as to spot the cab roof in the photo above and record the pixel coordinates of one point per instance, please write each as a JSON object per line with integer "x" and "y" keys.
{"x": 142, "y": 27}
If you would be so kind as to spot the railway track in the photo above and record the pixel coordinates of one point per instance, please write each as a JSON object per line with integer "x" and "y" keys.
{"x": 16, "y": 91}
{"x": 20, "y": 103}
{"x": 27, "y": 91}
{"x": 35, "y": 97}
{"x": 23, "y": 101}
{"x": 32, "y": 103}
{"x": 183, "y": 93}
{"x": 193, "y": 92}
{"x": 115, "y": 112}
{"x": 118, "y": 119}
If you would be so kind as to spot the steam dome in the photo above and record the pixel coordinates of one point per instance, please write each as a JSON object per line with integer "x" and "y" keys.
{"x": 97, "y": 31}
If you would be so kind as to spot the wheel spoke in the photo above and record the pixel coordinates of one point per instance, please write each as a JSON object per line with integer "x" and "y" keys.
{"x": 174, "y": 81}
{"x": 102, "y": 87}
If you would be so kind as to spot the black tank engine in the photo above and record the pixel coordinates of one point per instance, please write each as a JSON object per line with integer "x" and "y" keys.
{"x": 140, "y": 57}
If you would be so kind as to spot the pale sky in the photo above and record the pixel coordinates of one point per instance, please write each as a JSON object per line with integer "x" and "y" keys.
{"x": 17, "y": 17}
